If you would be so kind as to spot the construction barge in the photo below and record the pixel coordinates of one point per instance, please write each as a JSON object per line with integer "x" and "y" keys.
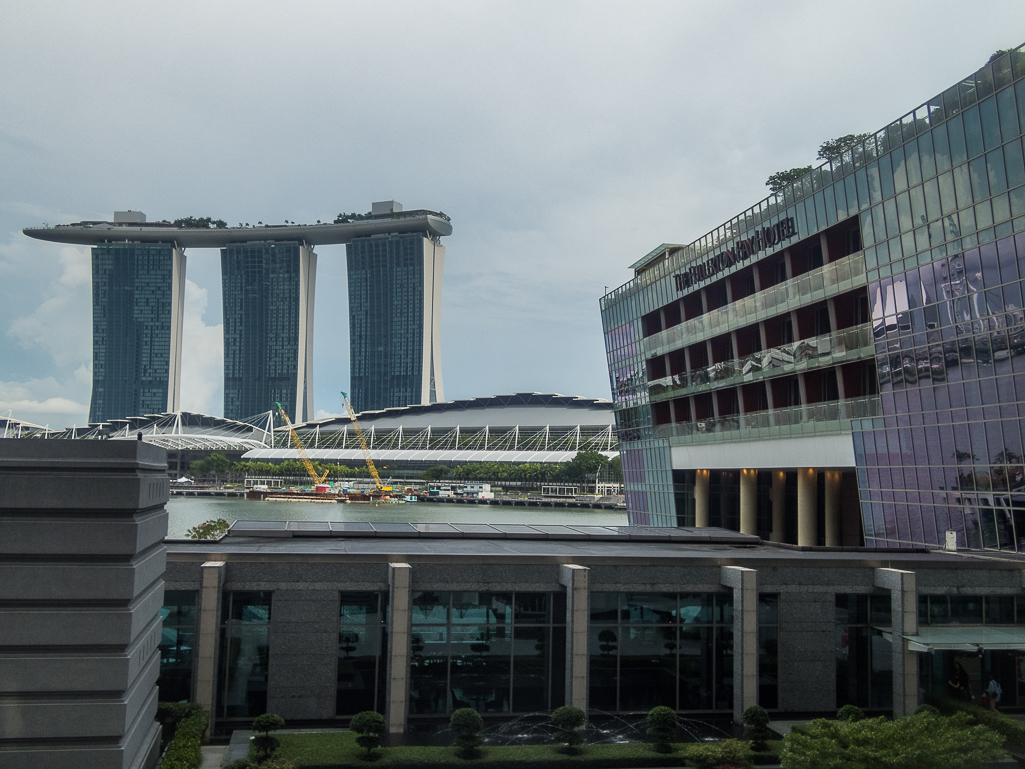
{"x": 326, "y": 496}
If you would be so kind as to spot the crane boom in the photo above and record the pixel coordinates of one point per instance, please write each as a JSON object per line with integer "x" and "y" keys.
{"x": 363, "y": 443}
{"x": 300, "y": 448}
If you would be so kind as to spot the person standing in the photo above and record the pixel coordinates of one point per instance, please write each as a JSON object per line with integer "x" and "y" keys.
{"x": 994, "y": 692}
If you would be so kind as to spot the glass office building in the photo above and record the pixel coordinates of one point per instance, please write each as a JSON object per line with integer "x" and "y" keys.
{"x": 840, "y": 364}
{"x": 395, "y": 320}
{"x": 268, "y": 296}
{"x": 138, "y": 301}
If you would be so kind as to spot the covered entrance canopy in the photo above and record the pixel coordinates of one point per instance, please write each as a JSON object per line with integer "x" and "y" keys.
{"x": 969, "y": 639}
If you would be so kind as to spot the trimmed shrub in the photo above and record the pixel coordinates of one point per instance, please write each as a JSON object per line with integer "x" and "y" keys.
{"x": 265, "y": 744}
{"x": 930, "y": 709}
{"x": 756, "y": 727}
{"x": 369, "y": 725}
{"x": 185, "y": 752}
{"x": 662, "y": 727}
{"x": 467, "y": 724}
{"x": 1011, "y": 730}
{"x": 712, "y": 755}
{"x": 243, "y": 763}
{"x": 569, "y": 719}
{"x": 927, "y": 740}
{"x": 850, "y": 713}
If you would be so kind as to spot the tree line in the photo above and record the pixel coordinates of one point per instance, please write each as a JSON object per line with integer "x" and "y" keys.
{"x": 583, "y": 467}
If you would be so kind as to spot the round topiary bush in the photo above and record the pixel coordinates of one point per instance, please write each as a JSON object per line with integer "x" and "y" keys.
{"x": 569, "y": 719}
{"x": 850, "y": 713}
{"x": 756, "y": 727}
{"x": 467, "y": 724}
{"x": 265, "y": 744}
{"x": 662, "y": 727}
{"x": 369, "y": 726}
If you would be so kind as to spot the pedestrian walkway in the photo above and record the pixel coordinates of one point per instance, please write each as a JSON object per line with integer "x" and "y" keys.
{"x": 213, "y": 756}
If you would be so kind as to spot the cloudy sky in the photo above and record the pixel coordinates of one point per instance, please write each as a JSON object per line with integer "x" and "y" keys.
{"x": 565, "y": 140}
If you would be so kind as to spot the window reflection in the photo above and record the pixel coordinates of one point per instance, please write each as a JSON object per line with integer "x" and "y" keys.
{"x": 245, "y": 647}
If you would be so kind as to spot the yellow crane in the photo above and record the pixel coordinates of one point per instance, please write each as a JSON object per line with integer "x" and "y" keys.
{"x": 300, "y": 448}
{"x": 363, "y": 445}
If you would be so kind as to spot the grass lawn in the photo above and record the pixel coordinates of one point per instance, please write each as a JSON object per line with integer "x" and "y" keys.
{"x": 339, "y": 749}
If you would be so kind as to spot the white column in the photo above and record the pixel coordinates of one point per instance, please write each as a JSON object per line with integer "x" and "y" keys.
{"x": 701, "y": 515}
{"x": 748, "y": 501}
{"x": 174, "y": 372}
{"x": 745, "y": 636}
{"x": 434, "y": 263}
{"x": 832, "y": 511}
{"x": 207, "y": 632}
{"x": 777, "y": 494}
{"x": 399, "y": 600}
{"x": 807, "y": 507}
{"x": 303, "y": 406}
{"x": 903, "y": 621}
{"x": 577, "y": 618}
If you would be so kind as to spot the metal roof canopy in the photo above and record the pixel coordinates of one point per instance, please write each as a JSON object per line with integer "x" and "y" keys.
{"x": 963, "y": 638}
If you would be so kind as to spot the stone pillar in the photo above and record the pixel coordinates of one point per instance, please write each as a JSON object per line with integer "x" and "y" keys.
{"x": 745, "y": 636}
{"x": 748, "y": 501}
{"x": 211, "y": 580}
{"x": 400, "y": 604}
{"x": 832, "y": 511}
{"x": 701, "y": 498}
{"x": 807, "y": 507}
{"x": 577, "y": 618}
{"x": 82, "y": 556}
{"x": 904, "y": 621}
{"x": 778, "y": 496}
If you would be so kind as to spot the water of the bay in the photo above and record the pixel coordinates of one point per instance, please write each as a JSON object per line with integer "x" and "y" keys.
{"x": 186, "y": 512}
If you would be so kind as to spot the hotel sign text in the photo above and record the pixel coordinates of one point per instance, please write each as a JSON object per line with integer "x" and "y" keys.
{"x": 745, "y": 249}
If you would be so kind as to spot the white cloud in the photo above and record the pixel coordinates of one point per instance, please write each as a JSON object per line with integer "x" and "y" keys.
{"x": 202, "y": 385}
{"x": 321, "y": 414}
{"x": 44, "y": 401}
{"x": 61, "y": 324}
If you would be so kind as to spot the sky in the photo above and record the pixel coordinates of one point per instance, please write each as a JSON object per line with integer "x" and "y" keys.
{"x": 565, "y": 140}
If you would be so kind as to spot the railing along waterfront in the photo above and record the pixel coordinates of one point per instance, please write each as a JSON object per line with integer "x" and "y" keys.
{"x": 829, "y": 280}
{"x": 824, "y": 350}
{"x": 813, "y": 419}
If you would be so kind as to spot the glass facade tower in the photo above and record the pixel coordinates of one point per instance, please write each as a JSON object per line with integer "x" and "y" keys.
{"x": 138, "y": 301}
{"x": 268, "y": 293}
{"x": 394, "y": 320}
{"x": 867, "y": 319}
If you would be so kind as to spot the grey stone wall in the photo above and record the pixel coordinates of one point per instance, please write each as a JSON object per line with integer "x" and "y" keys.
{"x": 82, "y": 558}
{"x": 304, "y": 654}
{"x": 807, "y": 655}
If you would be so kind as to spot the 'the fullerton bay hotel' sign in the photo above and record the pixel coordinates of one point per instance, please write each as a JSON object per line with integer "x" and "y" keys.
{"x": 745, "y": 249}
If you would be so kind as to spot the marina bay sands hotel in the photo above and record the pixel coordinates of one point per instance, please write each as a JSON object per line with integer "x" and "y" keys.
{"x": 268, "y": 273}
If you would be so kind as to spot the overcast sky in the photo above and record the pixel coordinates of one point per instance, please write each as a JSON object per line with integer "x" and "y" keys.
{"x": 565, "y": 140}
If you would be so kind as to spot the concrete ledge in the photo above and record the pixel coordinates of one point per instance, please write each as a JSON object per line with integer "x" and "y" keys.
{"x": 50, "y": 581}
{"x": 52, "y": 534}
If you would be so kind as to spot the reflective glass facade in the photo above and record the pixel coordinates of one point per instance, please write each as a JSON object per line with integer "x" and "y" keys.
{"x": 177, "y": 645}
{"x": 267, "y": 291}
{"x": 244, "y": 654}
{"x": 362, "y": 648}
{"x": 927, "y": 216}
{"x": 138, "y": 291}
{"x": 651, "y": 649}
{"x": 394, "y": 322}
{"x": 493, "y": 652}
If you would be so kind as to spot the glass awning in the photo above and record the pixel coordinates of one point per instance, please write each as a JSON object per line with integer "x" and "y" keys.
{"x": 962, "y": 638}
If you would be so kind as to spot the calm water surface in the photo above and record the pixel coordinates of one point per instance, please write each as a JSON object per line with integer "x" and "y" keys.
{"x": 186, "y": 512}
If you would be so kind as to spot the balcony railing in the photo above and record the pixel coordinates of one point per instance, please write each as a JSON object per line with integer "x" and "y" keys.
{"x": 814, "y": 419}
{"x": 827, "y": 349}
{"x": 821, "y": 283}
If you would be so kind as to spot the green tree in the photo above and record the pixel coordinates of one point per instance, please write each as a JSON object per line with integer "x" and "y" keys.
{"x": 568, "y": 719}
{"x": 616, "y": 466}
{"x": 467, "y": 724}
{"x": 834, "y": 148}
{"x": 923, "y": 741}
{"x": 212, "y": 529}
{"x": 200, "y": 223}
{"x": 713, "y": 755}
{"x": 782, "y": 179}
{"x": 583, "y": 464}
{"x": 662, "y": 727}
{"x": 369, "y": 726}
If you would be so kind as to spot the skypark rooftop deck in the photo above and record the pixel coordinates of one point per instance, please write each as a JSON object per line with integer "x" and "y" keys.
{"x": 90, "y": 233}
